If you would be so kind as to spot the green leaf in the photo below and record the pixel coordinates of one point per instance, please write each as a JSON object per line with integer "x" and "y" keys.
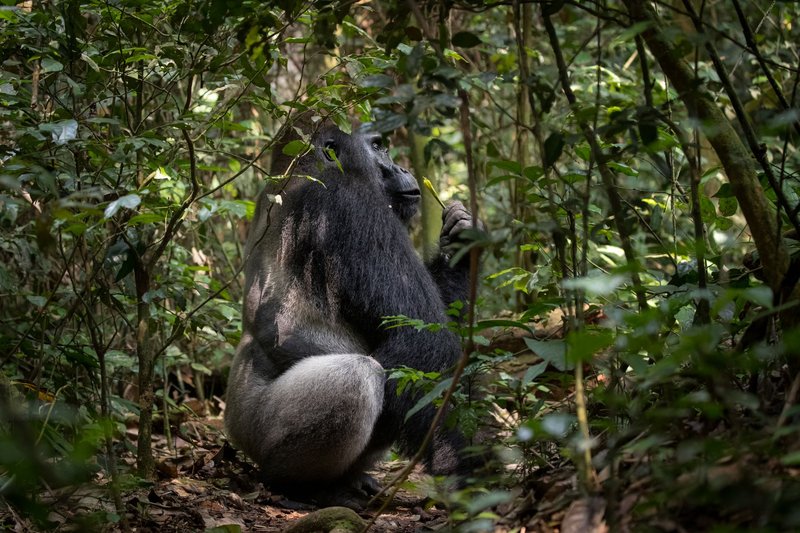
{"x": 488, "y": 500}
{"x": 294, "y": 148}
{"x": 51, "y": 65}
{"x": 89, "y": 61}
{"x": 504, "y": 164}
{"x": 377, "y": 80}
{"x": 38, "y": 301}
{"x": 623, "y": 168}
{"x": 791, "y": 459}
{"x": 145, "y": 218}
{"x": 428, "y": 398}
{"x": 595, "y": 284}
{"x": 533, "y": 372}
{"x": 723, "y": 224}
{"x": 64, "y": 131}
{"x": 707, "y": 209}
{"x": 8, "y": 14}
{"x": 728, "y": 206}
{"x": 553, "y": 352}
{"x": 502, "y": 323}
{"x": 465, "y": 39}
{"x": 725, "y": 191}
{"x": 533, "y": 173}
{"x": 760, "y": 295}
{"x": 632, "y": 31}
{"x": 129, "y": 201}
{"x": 586, "y": 343}
{"x": 557, "y": 424}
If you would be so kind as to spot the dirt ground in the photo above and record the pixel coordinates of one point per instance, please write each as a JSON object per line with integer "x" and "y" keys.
{"x": 205, "y": 486}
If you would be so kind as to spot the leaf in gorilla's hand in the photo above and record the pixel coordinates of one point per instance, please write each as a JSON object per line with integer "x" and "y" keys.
{"x": 429, "y": 186}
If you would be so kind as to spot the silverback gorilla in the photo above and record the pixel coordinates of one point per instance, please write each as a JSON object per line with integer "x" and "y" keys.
{"x": 308, "y": 397}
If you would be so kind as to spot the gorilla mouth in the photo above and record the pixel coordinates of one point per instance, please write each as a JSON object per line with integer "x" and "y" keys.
{"x": 409, "y": 195}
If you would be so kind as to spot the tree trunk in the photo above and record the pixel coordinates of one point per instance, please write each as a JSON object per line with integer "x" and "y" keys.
{"x": 430, "y": 209}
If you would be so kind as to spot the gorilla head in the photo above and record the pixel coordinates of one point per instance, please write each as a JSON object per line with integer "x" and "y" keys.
{"x": 360, "y": 159}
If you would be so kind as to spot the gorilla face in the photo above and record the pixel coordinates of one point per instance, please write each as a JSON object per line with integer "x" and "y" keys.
{"x": 364, "y": 154}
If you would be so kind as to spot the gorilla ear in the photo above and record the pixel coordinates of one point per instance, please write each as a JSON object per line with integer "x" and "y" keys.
{"x": 329, "y": 149}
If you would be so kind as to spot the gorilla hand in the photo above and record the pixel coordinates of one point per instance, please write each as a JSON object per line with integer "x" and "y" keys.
{"x": 455, "y": 220}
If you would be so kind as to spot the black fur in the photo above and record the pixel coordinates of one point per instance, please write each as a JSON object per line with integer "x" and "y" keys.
{"x": 324, "y": 267}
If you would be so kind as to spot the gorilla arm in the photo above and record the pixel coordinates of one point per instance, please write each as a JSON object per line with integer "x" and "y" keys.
{"x": 453, "y": 280}
{"x": 380, "y": 275}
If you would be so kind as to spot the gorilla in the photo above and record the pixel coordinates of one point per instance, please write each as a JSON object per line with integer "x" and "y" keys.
{"x": 328, "y": 256}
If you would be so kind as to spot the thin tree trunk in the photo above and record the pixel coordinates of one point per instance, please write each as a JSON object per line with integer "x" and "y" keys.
{"x": 431, "y": 210}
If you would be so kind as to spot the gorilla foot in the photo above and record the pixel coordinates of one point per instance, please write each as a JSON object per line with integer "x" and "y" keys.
{"x": 342, "y": 497}
{"x": 366, "y": 484}
{"x": 354, "y": 493}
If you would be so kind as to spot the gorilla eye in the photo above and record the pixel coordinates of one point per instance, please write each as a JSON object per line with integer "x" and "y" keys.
{"x": 329, "y": 149}
{"x": 378, "y": 144}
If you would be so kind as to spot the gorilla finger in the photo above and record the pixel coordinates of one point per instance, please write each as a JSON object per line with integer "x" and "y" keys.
{"x": 460, "y": 226}
{"x": 452, "y": 205}
{"x": 454, "y": 217}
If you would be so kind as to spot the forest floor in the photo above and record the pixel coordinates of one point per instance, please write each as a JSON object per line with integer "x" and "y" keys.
{"x": 205, "y": 486}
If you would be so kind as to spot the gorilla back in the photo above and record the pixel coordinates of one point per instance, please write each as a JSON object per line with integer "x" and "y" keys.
{"x": 307, "y": 397}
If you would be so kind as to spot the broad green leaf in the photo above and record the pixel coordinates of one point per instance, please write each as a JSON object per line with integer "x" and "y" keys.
{"x": 294, "y": 148}
{"x": 557, "y": 424}
{"x": 51, "y": 65}
{"x": 596, "y": 285}
{"x": 632, "y": 31}
{"x": 89, "y": 61}
{"x": 728, "y": 206}
{"x": 553, "y": 352}
{"x": 38, "y": 301}
{"x": 533, "y": 372}
{"x": 64, "y": 131}
{"x": 623, "y": 168}
{"x": 508, "y": 166}
{"x": 437, "y": 391}
{"x": 791, "y": 459}
{"x": 488, "y": 500}
{"x": 145, "y": 218}
{"x": 377, "y": 80}
{"x": 129, "y": 201}
{"x": 582, "y": 345}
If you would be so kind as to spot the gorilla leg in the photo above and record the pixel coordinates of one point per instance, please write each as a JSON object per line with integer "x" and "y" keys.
{"x": 312, "y": 423}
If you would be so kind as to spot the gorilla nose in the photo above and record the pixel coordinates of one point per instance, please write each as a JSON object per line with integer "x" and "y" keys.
{"x": 406, "y": 185}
